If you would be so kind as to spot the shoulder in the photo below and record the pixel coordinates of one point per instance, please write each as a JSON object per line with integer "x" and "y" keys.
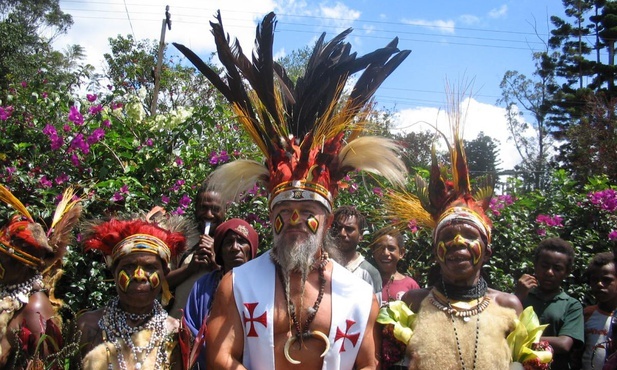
{"x": 413, "y": 298}
{"x": 39, "y": 303}
{"x": 506, "y": 300}
{"x": 410, "y": 282}
{"x": 88, "y": 324}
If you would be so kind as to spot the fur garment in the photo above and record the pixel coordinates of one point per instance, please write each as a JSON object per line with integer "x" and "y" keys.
{"x": 433, "y": 344}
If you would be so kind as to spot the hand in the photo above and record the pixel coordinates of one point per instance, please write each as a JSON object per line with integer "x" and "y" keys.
{"x": 524, "y": 285}
{"x": 203, "y": 257}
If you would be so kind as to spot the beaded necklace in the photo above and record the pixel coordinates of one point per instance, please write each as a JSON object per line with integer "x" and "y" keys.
{"x": 451, "y": 311}
{"x": 303, "y": 331}
{"x": 21, "y": 291}
{"x": 113, "y": 323}
{"x": 390, "y": 280}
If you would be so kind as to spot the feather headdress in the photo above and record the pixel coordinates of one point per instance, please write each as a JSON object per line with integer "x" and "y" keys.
{"x": 308, "y": 133}
{"x": 22, "y": 230}
{"x": 445, "y": 201}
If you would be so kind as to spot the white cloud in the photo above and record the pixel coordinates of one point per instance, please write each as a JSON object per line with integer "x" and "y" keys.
{"x": 469, "y": 19}
{"x": 500, "y": 12}
{"x": 478, "y": 117}
{"x": 446, "y": 27}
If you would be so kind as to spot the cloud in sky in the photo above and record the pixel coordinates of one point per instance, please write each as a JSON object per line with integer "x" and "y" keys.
{"x": 443, "y": 26}
{"x": 500, "y": 12}
{"x": 479, "y": 117}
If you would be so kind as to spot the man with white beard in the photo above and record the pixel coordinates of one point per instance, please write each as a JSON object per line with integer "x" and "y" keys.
{"x": 296, "y": 307}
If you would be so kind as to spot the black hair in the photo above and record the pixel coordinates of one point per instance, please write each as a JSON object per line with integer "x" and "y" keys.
{"x": 390, "y": 231}
{"x": 349, "y": 211}
{"x": 555, "y": 245}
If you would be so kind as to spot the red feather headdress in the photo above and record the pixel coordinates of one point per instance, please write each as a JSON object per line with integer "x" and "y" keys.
{"x": 308, "y": 131}
{"x": 23, "y": 230}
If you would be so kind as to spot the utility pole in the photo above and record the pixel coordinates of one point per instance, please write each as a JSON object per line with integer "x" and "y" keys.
{"x": 159, "y": 62}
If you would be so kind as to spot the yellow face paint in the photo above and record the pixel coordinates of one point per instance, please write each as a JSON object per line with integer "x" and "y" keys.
{"x": 313, "y": 224}
{"x": 123, "y": 280}
{"x": 295, "y": 218}
{"x": 154, "y": 280}
{"x": 472, "y": 245}
{"x": 278, "y": 224}
{"x": 139, "y": 274}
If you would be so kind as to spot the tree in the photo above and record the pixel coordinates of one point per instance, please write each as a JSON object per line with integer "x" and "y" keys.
{"x": 519, "y": 95}
{"x": 416, "y": 149}
{"x": 482, "y": 156}
{"x": 27, "y": 29}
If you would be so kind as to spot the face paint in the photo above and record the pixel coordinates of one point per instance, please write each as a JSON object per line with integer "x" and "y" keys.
{"x": 139, "y": 274}
{"x": 123, "y": 280}
{"x": 278, "y": 224}
{"x": 473, "y": 246}
{"x": 313, "y": 224}
{"x": 154, "y": 280}
{"x": 295, "y": 218}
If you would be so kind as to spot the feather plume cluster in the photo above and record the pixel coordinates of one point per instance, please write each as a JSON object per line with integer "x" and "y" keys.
{"x": 441, "y": 194}
{"x": 308, "y": 130}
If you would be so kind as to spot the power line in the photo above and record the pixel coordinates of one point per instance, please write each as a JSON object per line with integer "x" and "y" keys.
{"x": 129, "y": 17}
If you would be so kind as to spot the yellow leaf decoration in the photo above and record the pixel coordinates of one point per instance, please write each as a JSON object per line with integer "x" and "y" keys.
{"x": 525, "y": 337}
{"x": 398, "y": 314}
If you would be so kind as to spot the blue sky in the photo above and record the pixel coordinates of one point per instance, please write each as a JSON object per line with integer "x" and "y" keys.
{"x": 456, "y": 40}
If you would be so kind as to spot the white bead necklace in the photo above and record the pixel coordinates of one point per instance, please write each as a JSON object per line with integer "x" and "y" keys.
{"x": 114, "y": 324}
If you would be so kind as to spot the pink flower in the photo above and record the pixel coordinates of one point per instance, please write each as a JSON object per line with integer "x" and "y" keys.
{"x": 45, "y": 182}
{"x": 612, "y": 235}
{"x": 124, "y": 189}
{"x": 79, "y": 143}
{"x": 75, "y": 160}
{"x": 91, "y": 97}
{"x": 179, "y": 161}
{"x": 149, "y": 142}
{"x": 62, "y": 179}
{"x": 185, "y": 201}
{"x": 96, "y": 136}
{"x": 106, "y": 123}
{"x": 44, "y": 95}
{"x": 95, "y": 109}
{"x": 165, "y": 199}
{"x": 75, "y": 116}
{"x": 117, "y": 197}
{"x": 24, "y": 84}
{"x": 413, "y": 226}
{"x": 66, "y": 128}
{"x": 178, "y": 211}
{"x": 115, "y": 105}
{"x": 5, "y": 112}
{"x": 377, "y": 191}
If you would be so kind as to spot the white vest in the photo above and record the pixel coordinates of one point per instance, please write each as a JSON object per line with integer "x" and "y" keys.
{"x": 253, "y": 286}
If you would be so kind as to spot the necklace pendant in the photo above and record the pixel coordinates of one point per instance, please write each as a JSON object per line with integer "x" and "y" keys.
{"x": 138, "y": 366}
{"x": 466, "y": 319}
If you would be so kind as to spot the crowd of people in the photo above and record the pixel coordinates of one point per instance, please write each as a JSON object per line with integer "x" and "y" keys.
{"x": 196, "y": 294}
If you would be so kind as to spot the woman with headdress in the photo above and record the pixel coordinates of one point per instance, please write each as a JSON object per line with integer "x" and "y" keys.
{"x": 133, "y": 331}
{"x": 459, "y": 322}
{"x": 29, "y": 261}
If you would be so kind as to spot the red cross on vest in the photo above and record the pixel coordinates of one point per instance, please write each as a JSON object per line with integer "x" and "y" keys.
{"x": 353, "y": 338}
{"x": 262, "y": 319}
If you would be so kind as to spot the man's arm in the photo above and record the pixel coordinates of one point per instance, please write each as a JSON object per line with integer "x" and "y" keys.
{"x": 225, "y": 337}
{"x": 369, "y": 353}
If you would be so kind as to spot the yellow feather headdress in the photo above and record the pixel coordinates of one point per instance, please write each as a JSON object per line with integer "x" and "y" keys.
{"x": 309, "y": 131}
{"x": 443, "y": 200}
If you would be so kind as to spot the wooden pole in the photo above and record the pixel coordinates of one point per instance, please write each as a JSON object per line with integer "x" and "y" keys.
{"x": 157, "y": 72}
